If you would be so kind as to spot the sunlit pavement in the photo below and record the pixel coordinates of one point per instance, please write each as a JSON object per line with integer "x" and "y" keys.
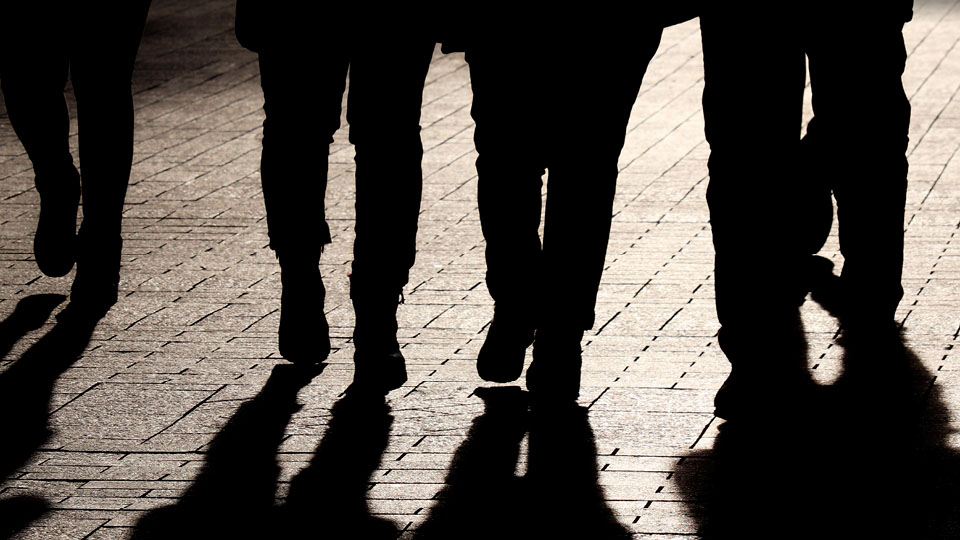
{"x": 193, "y": 336}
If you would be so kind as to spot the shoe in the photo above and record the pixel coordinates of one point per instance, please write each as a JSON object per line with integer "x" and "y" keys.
{"x": 378, "y": 364}
{"x": 824, "y": 286}
{"x": 304, "y": 334}
{"x": 554, "y": 374}
{"x": 94, "y": 290}
{"x": 501, "y": 357}
{"x": 378, "y": 373}
{"x": 762, "y": 395}
{"x": 55, "y": 242}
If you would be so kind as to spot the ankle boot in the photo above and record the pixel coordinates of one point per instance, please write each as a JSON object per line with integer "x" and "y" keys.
{"x": 378, "y": 364}
{"x": 554, "y": 373}
{"x": 304, "y": 335}
{"x": 54, "y": 244}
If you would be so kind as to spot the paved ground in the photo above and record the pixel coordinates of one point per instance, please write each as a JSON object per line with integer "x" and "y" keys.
{"x": 168, "y": 397}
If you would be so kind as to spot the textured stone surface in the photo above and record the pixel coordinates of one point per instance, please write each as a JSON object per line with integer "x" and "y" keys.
{"x": 154, "y": 408}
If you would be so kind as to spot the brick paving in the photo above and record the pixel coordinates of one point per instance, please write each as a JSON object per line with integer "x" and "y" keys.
{"x": 141, "y": 417}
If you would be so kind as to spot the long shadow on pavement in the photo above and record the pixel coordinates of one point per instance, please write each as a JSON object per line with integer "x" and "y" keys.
{"x": 26, "y": 387}
{"x": 558, "y": 497}
{"x": 328, "y": 498}
{"x": 870, "y": 459}
{"x": 233, "y": 495}
{"x": 30, "y": 314}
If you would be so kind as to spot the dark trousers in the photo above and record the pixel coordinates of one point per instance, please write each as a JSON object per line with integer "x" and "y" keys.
{"x": 543, "y": 103}
{"x": 97, "y": 46}
{"x": 759, "y": 196}
{"x": 303, "y": 85}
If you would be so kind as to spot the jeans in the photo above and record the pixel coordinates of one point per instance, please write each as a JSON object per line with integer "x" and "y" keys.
{"x": 303, "y": 84}
{"x": 531, "y": 112}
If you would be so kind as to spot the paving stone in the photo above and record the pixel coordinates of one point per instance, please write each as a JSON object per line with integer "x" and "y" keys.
{"x": 136, "y": 417}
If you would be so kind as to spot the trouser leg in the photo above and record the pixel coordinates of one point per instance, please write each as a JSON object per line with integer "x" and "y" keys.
{"x": 585, "y": 144}
{"x": 101, "y": 65}
{"x": 509, "y": 137}
{"x": 33, "y": 82}
{"x": 863, "y": 119}
{"x": 302, "y": 115}
{"x": 386, "y": 87}
{"x": 752, "y": 110}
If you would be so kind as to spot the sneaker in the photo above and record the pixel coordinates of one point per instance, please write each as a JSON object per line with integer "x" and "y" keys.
{"x": 501, "y": 357}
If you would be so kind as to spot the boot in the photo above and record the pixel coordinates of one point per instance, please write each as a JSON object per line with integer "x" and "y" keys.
{"x": 378, "y": 364}
{"x": 304, "y": 335}
{"x": 54, "y": 244}
{"x": 554, "y": 374}
{"x": 501, "y": 357}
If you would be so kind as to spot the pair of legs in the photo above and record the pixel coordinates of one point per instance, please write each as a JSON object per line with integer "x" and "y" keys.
{"x": 761, "y": 205}
{"x": 568, "y": 113}
{"x": 303, "y": 83}
{"x": 97, "y": 47}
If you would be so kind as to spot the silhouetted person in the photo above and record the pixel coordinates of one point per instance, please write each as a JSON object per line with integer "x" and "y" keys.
{"x": 564, "y": 108}
{"x": 97, "y": 45}
{"x": 763, "y": 211}
{"x": 303, "y": 68}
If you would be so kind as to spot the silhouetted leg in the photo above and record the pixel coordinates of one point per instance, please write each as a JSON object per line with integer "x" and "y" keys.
{"x": 863, "y": 117}
{"x": 233, "y": 494}
{"x": 510, "y": 132}
{"x": 101, "y": 62}
{"x": 33, "y": 82}
{"x": 752, "y": 110}
{"x": 598, "y": 87}
{"x": 302, "y": 114}
{"x": 383, "y": 109}
{"x": 819, "y": 177}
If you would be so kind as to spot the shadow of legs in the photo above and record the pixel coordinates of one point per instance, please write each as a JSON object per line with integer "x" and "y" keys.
{"x": 233, "y": 496}
{"x": 483, "y": 497}
{"x": 18, "y": 512}
{"x": 329, "y": 498}
{"x": 26, "y": 387}
{"x": 562, "y": 476}
{"x": 30, "y": 314}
